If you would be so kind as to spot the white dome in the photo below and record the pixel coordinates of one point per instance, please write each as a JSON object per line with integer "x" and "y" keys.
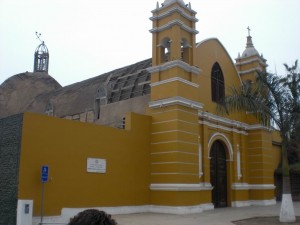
{"x": 250, "y": 52}
{"x": 167, "y": 2}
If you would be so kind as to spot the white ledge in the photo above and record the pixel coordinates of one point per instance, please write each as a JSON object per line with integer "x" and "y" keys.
{"x": 250, "y": 71}
{"x": 172, "y": 10}
{"x": 233, "y": 123}
{"x": 175, "y": 100}
{"x": 179, "y": 79}
{"x": 175, "y": 63}
{"x": 181, "y": 187}
{"x": 173, "y": 23}
{"x": 246, "y": 186}
{"x": 251, "y": 61}
{"x": 183, "y": 5}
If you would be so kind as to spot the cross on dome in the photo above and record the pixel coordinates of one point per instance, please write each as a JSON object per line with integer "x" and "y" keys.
{"x": 248, "y": 28}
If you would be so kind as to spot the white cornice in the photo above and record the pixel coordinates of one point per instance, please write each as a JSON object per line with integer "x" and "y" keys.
{"x": 187, "y": 8}
{"x": 175, "y": 63}
{"x": 179, "y": 79}
{"x": 257, "y": 55}
{"x": 172, "y": 10}
{"x": 229, "y": 122}
{"x": 217, "y": 126}
{"x": 181, "y": 187}
{"x": 251, "y": 61}
{"x": 173, "y": 23}
{"x": 175, "y": 100}
{"x": 250, "y": 71}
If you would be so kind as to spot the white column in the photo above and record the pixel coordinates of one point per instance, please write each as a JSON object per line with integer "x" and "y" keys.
{"x": 200, "y": 158}
{"x": 238, "y": 162}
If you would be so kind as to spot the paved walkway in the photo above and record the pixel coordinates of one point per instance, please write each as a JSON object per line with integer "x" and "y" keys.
{"x": 223, "y": 216}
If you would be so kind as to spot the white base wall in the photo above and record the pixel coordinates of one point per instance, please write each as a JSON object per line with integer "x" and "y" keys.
{"x": 253, "y": 202}
{"x": 68, "y": 213}
{"x": 24, "y": 212}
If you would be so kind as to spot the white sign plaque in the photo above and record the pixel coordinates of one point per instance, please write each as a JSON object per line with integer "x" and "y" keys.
{"x": 96, "y": 165}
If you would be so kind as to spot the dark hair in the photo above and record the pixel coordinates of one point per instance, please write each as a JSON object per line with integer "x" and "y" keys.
{"x": 92, "y": 217}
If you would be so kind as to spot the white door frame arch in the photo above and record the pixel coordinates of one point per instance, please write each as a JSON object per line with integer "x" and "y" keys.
{"x": 222, "y": 137}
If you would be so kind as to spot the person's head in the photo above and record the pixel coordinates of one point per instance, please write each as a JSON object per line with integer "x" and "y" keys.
{"x": 92, "y": 217}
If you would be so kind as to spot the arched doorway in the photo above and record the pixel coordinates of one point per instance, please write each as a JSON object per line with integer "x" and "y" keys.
{"x": 218, "y": 174}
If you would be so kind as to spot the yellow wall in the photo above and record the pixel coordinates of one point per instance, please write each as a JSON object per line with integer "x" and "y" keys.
{"x": 65, "y": 145}
{"x": 207, "y": 53}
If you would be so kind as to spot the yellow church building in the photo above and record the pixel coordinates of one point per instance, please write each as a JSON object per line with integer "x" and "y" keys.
{"x": 143, "y": 138}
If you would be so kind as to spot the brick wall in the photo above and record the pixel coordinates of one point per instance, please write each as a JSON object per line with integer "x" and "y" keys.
{"x": 10, "y": 143}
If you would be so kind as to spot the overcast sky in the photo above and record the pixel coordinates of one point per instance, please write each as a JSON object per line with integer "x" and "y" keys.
{"x": 86, "y": 38}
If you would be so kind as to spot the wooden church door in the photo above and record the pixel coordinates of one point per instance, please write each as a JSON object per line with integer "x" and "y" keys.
{"x": 218, "y": 174}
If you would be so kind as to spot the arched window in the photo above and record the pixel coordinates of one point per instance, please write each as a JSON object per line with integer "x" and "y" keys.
{"x": 217, "y": 83}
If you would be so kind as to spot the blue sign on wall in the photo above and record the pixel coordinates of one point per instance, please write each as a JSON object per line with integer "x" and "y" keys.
{"x": 45, "y": 170}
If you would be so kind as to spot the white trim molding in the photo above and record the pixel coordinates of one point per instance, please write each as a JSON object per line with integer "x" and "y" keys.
{"x": 253, "y": 202}
{"x": 173, "y": 23}
{"x": 241, "y": 73}
{"x": 262, "y": 186}
{"x": 262, "y": 62}
{"x": 160, "y": 8}
{"x": 240, "y": 186}
{"x": 181, "y": 187}
{"x": 229, "y": 122}
{"x": 174, "y": 101}
{"x": 171, "y": 11}
{"x": 220, "y": 136}
{"x": 246, "y": 186}
{"x": 179, "y": 79}
{"x": 175, "y": 63}
{"x": 217, "y": 126}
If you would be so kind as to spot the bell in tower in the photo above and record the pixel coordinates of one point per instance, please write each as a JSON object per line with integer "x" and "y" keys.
{"x": 41, "y": 57}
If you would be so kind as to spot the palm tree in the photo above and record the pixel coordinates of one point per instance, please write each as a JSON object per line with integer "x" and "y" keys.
{"x": 292, "y": 81}
{"x": 272, "y": 98}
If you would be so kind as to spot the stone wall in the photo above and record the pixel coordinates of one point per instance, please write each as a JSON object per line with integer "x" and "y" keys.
{"x": 10, "y": 144}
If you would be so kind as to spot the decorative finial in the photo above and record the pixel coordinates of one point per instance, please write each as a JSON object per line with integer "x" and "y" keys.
{"x": 38, "y": 36}
{"x": 248, "y": 28}
{"x": 41, "y": 56}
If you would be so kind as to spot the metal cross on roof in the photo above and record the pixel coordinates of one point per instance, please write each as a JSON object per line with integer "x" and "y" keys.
{"x": 248, "y": 28}
{"x": 38, "y": 35}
